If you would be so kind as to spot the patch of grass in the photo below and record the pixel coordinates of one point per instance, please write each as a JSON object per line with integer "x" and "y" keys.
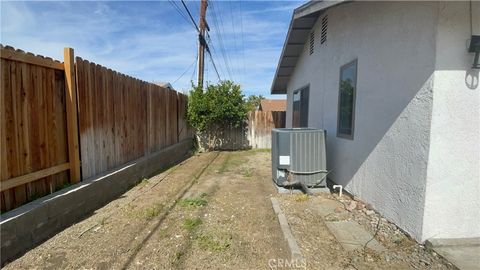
{"x": 61, "y": 186}
{"x": 261, "y": 150}
{"x": 248, "y": 172}
{"x": 191, "y": 223}
{"x": 301, "y": 197}
{"x": 153, "y": 211}
{"x": 142, "y": 182}
{"x": 210, "y": 242}
{"x": 231, "y": 161}
{"x": 177, "y": 257}
{"x": 163, "y": 233}
{"x": 224, "y": 166}
{"x": 103, "y": 221}
{"x": 193, "y": 202}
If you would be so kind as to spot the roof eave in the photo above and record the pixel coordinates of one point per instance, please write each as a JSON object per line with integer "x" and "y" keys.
{"x": 311, "y": 9}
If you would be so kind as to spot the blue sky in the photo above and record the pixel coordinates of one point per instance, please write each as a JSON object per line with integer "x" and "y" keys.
{"x": 152, "y": 41}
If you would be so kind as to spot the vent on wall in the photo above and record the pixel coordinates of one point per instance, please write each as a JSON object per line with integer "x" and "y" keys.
{"x": 323, "y": 37}
{"x": 312, "y": 42}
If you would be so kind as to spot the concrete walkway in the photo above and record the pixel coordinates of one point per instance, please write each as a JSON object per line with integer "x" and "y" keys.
{"x": 352, "y": 236}
{"x": 463, "y": 253}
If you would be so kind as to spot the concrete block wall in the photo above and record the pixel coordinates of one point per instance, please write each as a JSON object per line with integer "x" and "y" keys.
{"x": 29, "y": 225}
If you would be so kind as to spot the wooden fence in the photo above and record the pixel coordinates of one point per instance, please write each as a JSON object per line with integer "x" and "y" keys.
{"x": 255, "y": 134}
{"x": 260, "y": 126}
{"x": 123, "y": 118}
{"x": 45, "y": 131}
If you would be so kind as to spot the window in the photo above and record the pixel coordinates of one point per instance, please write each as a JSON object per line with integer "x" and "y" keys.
{"x": 323, "y": 37}
{"x": 300, "y": 107}
{"x": 346, "y": 100}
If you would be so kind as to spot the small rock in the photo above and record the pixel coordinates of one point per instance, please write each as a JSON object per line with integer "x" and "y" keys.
{"x": 360, "y": 206}
{"x": 351, "y": 206}
{"x": 338, "y": 209}
{"x": 369, "y": 212}
{"x": 425, "y": 262}
{"x": 369, "y": 206}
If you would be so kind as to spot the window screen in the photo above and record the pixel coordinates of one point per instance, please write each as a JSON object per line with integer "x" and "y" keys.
{"x": 346, "y": 100}
{"x": 300, "y": 108}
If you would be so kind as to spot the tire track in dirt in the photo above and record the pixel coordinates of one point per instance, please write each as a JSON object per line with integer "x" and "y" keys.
{"x": 231, "y": 227}
{"x": 116, "y": 226}
{"x": 168, "y": 209}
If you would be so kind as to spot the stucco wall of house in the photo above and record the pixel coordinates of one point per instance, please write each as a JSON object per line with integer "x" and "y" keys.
{"x": 452, "y": 207}
{"x": 386, "y": 162}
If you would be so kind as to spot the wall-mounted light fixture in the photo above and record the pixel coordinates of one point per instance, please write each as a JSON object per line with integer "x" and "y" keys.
{"x": 475, "y": 48}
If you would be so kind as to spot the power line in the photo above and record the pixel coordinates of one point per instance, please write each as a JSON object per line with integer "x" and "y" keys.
{"x": 208, "y": 50}
{"x": 186, "y": 69}
{"x": 234, "y": 35}
{"x": 178, "y": 10}
{"x": 222, "y": 25}
{"x": 213, "y": 51}
{"x": 193, "y": 73}
{"x": 243, "y": 40}
{"x": 215, "y": 67}
{"x": 190, "y": 14}
{"x": 220, "y": 39}
{"x": 200, "y": 36}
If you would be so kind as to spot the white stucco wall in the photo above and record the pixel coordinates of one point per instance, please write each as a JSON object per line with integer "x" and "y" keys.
{"x": 386, "y": 162}
{"x": 452, "y": 208}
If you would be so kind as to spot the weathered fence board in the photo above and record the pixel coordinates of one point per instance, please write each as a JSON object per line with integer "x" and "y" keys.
{"x": 260, "y": 124}
{"x": 122, "y": 118}
{"x": 255, "y": 134}
{"x": 33, "y": 137}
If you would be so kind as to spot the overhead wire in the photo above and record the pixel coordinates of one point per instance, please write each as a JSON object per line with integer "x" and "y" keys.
{"x": 186, "y": 69}
{"x": 178, "y": 9}
{"x": 218, "y": 33}
{"x": 232, "y": 16}
{"x": 190, "y": 15}
{"x": 229, "y": 59}
{"x": 243, "y": 40}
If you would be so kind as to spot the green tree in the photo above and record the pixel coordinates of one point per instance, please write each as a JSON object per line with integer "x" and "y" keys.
{"x": 253, "y": 102}
{"x": 220, "y": 104}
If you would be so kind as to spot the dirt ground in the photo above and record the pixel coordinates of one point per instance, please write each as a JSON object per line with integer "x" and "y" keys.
{"x": 322, "y": 251}
{"x": 213, "y": 211}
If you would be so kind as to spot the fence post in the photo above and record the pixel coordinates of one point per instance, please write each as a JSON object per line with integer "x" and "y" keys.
{"x": 72, "y": 121}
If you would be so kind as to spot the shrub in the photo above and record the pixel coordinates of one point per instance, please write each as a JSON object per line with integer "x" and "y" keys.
{"x": 220, "y": 104}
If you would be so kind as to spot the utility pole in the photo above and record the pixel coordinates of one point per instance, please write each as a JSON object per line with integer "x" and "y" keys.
{"x": 202, "y": 42}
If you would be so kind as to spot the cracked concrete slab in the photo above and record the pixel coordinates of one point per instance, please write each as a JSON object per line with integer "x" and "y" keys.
{"x": 353, "y": 236}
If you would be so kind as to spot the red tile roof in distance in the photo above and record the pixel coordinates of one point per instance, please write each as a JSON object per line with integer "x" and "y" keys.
{"x": 273, "y": 105}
